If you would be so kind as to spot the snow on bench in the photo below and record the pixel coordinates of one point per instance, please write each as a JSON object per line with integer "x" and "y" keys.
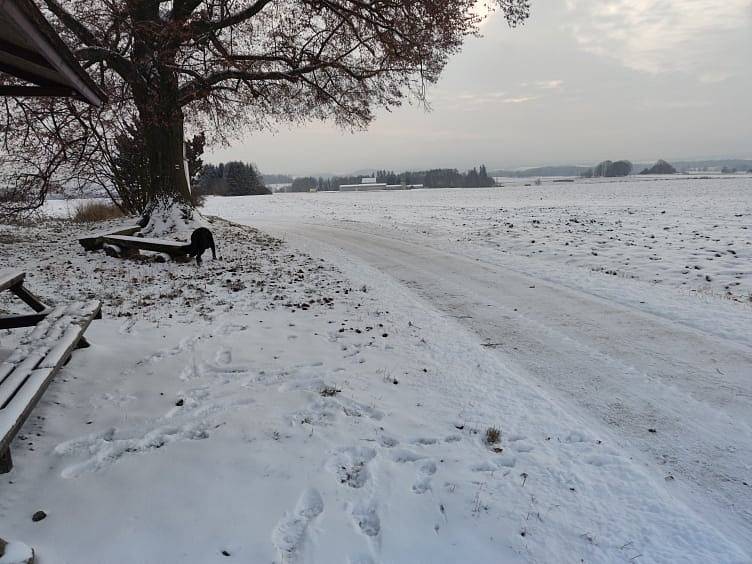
{"x": 25, "y": 375}
{"x": 172, "y": 248}
{"x": 94, "y": 241}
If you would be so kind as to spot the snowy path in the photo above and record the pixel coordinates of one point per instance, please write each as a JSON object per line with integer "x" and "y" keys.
{"x": 277, "y": 407}
{"x": 634, "y": 370}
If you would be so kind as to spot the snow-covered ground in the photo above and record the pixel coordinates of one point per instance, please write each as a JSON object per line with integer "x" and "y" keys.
{"x": 692, "y": 234}
{"x": 324, "y": 401}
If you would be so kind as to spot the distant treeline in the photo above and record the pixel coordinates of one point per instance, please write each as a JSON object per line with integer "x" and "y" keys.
{"x": 542, "y": 171}
{"x": 661, "y": 167}
{"x": 609, "y": 169}
{"x": 612, "y": 169}
{"x": 231, "y": 179}
{"x": 435, "y": 178}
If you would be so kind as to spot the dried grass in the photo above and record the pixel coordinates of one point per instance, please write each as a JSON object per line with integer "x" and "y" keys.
{"x": 493, "y": 435}
{"x": 92, "y": 211}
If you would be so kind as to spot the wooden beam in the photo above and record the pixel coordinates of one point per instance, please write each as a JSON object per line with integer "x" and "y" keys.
{"x": 40, "y": 91}
{"x": 37, "y": 30}
{"x": 16, "y": 321}
{"x": 10, "y": 278}
{"x": 27, "y": 73}
{"x": 94, "y": 241}
{"x": 172, "y": 248}
{"x": 29, "y": 298}
{"x": 24, "y": 53}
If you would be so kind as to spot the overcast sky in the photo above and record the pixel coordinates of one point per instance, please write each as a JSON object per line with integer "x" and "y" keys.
{"x": 582, "y": 81}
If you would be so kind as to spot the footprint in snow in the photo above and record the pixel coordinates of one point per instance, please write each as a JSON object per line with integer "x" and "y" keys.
{"x": 107, "y": 447}
{"x": 223, "y": 357}
{"x": 503, "y": 462}
{"x": 353, "y": 408}
{"x": 425, "y": 441}
{"x": 423, "y": 479}
{"x": 350, "y": 465}
{"x": 522, "y": 447}
{"x": 402, "y": 455}
{"x": 366, "y": 518}
{"x": 290, "y": 533}
{"x": 127, "y": 327}
{"x": 229, "y": 328}
{"x": 189, "y": 422}
{"x": 388, "y": 442}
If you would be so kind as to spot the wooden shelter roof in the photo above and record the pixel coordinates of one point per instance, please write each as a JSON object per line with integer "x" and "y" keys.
{"x": 31, "y": 50}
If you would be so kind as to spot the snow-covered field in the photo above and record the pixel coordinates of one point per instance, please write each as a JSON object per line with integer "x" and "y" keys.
{"x": 691, "y": 234}
{"x": 317, "y": 402}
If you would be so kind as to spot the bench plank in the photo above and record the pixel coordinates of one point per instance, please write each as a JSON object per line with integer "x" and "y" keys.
{"x": 63, "y": 346}
{"x": 94, "y": 241}
{"x": 45, "y": 325}
{"x": 172, "y": 248}
{"x": 5, "y": 369}
{"x": 12, "y": 383}
{"x": 13, "y": 416}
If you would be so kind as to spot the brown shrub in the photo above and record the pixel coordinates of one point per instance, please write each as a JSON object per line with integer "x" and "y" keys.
{"x": 95, "y": 210}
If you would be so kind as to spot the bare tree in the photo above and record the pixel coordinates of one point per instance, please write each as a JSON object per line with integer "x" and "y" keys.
{"x": 224, "y": 66}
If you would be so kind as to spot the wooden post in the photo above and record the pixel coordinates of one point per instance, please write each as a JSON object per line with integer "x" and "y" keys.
{"x": 6, "y": 462}
{"x": 29, "y": 298}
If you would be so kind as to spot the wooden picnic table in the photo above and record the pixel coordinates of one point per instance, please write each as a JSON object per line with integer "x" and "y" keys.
{"x": 26, "y": 373}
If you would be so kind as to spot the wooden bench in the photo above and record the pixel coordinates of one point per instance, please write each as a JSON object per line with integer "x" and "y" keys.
{"x": 174, "y": 249}
{"x": 95, "y": 241}
{"x": 26, "y": 373}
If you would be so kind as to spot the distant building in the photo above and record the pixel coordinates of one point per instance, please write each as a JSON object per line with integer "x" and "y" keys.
{"x": 370, "y": 185}
{"x": 403, "y": 186}
{"x": 363, "y": 187}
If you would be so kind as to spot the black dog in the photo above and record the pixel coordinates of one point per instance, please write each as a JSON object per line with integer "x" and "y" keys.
{"x": 201, "y": 239}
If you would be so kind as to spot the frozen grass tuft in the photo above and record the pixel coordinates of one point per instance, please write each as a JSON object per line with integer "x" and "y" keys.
{"x": 329, "y": 391}
{"x": 89, "y": 212}
{"x": 493, "y": 435}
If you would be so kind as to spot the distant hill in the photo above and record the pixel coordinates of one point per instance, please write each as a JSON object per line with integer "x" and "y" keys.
{"x": 576, "y": 170}
{"x": 738, "y": 164}
{"x": 569, "y": 170}
{"x": 277, "y": 179}
{"x": 546, "y": 171}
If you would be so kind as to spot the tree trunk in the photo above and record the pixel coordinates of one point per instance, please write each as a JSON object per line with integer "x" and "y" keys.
{"x": 161, "y": 118}
{"x": 164, "y": 144}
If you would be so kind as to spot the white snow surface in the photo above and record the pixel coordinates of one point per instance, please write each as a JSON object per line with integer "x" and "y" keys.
{"x": 327, "y": 400}
{"x": 15, "y": 552}
{"x": 173, "y": 222}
